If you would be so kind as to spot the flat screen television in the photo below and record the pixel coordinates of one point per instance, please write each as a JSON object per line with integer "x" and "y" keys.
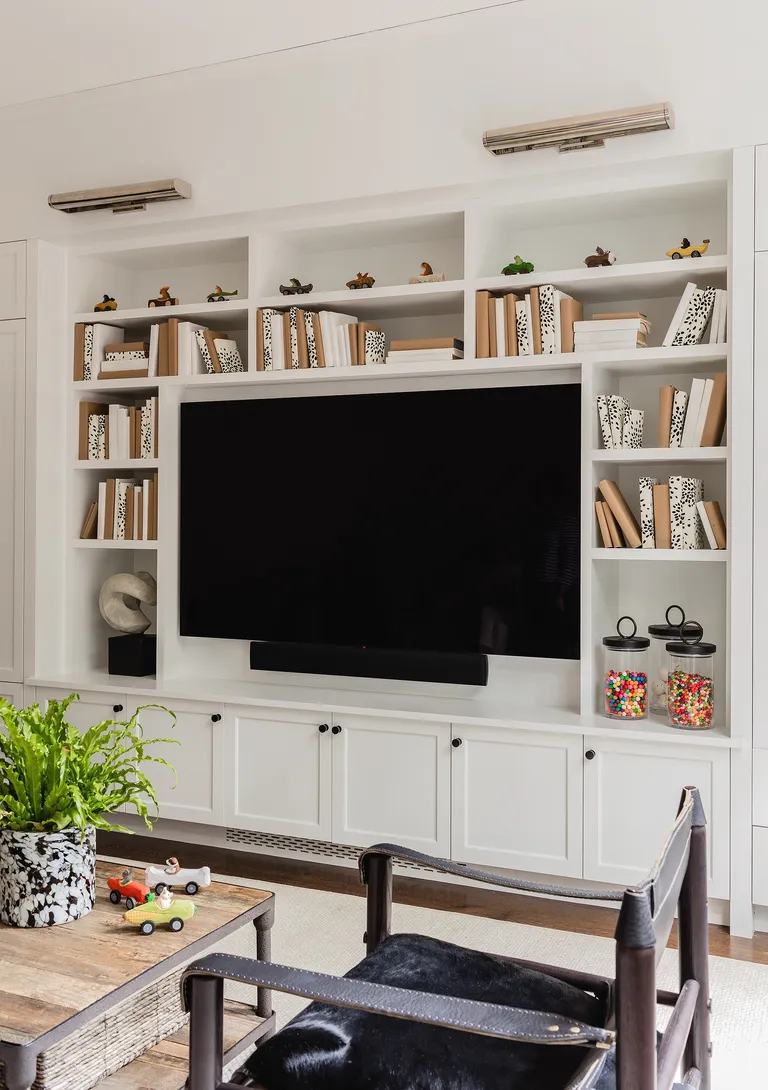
{"x": 442, "y": 521}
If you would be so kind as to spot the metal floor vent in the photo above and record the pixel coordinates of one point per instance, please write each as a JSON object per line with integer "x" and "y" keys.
{"x": 278, "y": 844}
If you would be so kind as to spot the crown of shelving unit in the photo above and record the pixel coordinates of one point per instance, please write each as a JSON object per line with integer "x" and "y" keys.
{"x": 470, "y": 243}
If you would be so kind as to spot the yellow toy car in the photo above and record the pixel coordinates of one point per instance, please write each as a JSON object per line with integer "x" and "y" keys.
{"x": 107, "y": 303}
{"x": 150, "y": 914}
{"x": 686, "y": 250}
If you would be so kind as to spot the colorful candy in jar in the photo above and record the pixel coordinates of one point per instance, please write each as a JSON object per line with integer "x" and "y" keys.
{"x": 690, "y": 700}
{"x": 626, "y": 694}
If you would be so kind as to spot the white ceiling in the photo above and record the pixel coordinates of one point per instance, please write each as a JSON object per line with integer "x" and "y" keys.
{"x": 50, "y": 47}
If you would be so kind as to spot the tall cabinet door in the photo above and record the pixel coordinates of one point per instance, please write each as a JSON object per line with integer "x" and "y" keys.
{"x": 11, "y": 498}
{"x": 13, "y": 280}
{"x": 391, "y": 782}
{"x": 517, "y": 799}
{"x": 631, "y": 794}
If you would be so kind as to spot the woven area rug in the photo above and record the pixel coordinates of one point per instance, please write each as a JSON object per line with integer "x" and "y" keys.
{"x": 324, "y": 932}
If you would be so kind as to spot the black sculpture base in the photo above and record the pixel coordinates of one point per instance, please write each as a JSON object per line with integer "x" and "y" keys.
{"x": 133, "y": 656}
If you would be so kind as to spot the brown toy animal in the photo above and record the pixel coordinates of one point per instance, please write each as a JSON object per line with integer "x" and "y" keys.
{"x": 362, "y": 280}
{"x": 600, "y": 258}
{"x": 426, "y": 269}
{"x": 164, "y": 299}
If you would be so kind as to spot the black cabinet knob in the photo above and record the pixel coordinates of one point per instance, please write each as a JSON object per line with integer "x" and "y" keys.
{"x": 215, "y": 718}
{"x": 456, "y": 743}
{"x": 117, "y": 708}
{"x": 323, "y": 728}
{"x": 336, "y": 730}
{"x": 590, "y": 755}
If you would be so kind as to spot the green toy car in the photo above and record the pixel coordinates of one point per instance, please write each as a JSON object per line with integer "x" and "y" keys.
{"x": 517, "y": 266}
{"x": 150, "y": 914}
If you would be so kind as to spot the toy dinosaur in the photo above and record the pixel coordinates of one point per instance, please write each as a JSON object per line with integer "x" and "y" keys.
{"x": 219, "y": 296}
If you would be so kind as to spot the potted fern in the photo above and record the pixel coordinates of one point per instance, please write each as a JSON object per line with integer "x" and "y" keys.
{"x": 57, "y": 784}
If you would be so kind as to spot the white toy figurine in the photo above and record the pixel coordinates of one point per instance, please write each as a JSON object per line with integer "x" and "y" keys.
{"x": 165, "y": 898}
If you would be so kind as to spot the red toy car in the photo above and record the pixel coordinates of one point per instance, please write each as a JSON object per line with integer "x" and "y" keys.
{"x": 135, "y": 893}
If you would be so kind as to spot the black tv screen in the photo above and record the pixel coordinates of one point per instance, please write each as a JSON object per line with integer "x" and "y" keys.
{"x": 440, "y": 520}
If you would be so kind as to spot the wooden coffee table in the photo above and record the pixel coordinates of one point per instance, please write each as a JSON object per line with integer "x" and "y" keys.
{"x": 54, "y": 981}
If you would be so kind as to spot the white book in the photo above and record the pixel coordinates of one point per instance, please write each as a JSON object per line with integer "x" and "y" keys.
{"x": 692, "y": 413}
{"x": 102, "y": 508}
{"x": 113, "y": 437}
{"x": 641, "y": 325}
{"x": 706, "y": 397}
{"x": 154, "y": 335}
{"x": 501, "y": 333}
{"x": 328, "y": 337}
{"x": 124, "y": 361}
{"x": 153, "y": 418}
{"x": 679, "y": 405}
{"x": 605, "y": 423}
{"x": 279, "y": 353}
{"x": 679, "y": 314}
{"x": 722, "y": 325}
{"x": 125, "y": 431}
{"x": 698, "y": 313}
{"x": 714, "y": 324}
{"x": 189, "y": 357}
{"x": 145, "y": 507}
{"x": 426, "y": 354}
{"x": 529, "y": 318}
{"x": 647, "y": 533}
{"x": 707, "y": 526}
{"x": 618, "y": 407}
{"x": 524, "y": 339}
{"x": 102, "y": 336}
{"x": 136, "y": 509}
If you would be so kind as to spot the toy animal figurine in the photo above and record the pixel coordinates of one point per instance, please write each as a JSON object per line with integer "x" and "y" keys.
{"x": 164, "y": 299}
{"x": 172, "y": 874}
{"x": 686, "y": 250}
{"x": 107, "y": 303}
{"x": 426, "y": 276}
{"x": 362, "y": 280}
{"x": 134, "y": 893}
{"x": 160, "y": 909}
{"x": 600, "y": 258}
{"x": 517, "y": 266}
{"x": 295, "y": 287}
{"x": 220, "y": 296}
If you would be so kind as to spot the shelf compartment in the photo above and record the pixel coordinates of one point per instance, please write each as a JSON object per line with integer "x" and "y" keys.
{"x": 675, "y": 556}
{"x": 655, "y": 455}
{"x": 116, "y": 463}
{"x": 94, "y": 543}
{"x": 396, "y": 301}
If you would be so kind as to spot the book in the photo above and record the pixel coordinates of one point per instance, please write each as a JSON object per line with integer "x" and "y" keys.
{"x": 666, "y": 400}
{"x": 162, "y": 350}
{"x": 524, "y": 345}
{"x": 501, "y": 328}
{"x": 510, "y": 323}
{"x": 228, "y": 355}
{"x": 679, "y": 314}
{"x": 90, "y": 522}
{"x": 353, "y": 344}
{"x": 301, "y": 339}
{"x": 618, "y": 407}
{"x": 722, "y": 325}
{"x": 88, "y": 371}
{"x": 493, "y": 345}
{"x": 130, "y": 503}
{"x": 697, "y": 314}
{"x": 375, "y": 346}
{"x": 421, "y": 344}
{"x": 103, "y": 336}
{"x": 647, "y": 531}
{"x": 535, "y": 321}
{"x": 318, "y": 335}
{"x": 705, "y": 524}
{"x": 717, "y": 522}
{"x": 101, "y": 504}
{"x": 688, "y": 438}
{"x": 86, "y": 411}
{"x": 619, "y": 316}
{"x": 605, "y": 326}
{"x": 603, "y": 525}
{"x": 632, "y": 436}
{"x": 547, "y": 324}
{"x": 604, "y": 420}
{"x": 109, "y": 509}
{"x": 209, "y": 337}
{"x": 679, "y": 404}
{"x": 205, "y": 352}
{"x": 309, "y": 337}
{"x": 292, "y": 336}
{"x": 571, "y": 312}
{"x": 173, "y": 346}
{"x": 613, "y": 527}
{"x": 79, "y": 352}
{"x": 427, "y": 354}
{"x": 482, "y": 332}
{"x": 714, "y": 422}
{"x": 714, "y": 323}
{"x": 189, "y": 359}
{"x": 597, "y": 339}
{"x": 152, "y": 362}
{"x": 684, "y": 494}
{"x": 661, "y": 517}
{"x": 145, "y": 510}
{"x": 621, "y": 512}
{"x": 560, "y": 298}
{"x": 706, "y": 397}
{"x": 139, "y": 347}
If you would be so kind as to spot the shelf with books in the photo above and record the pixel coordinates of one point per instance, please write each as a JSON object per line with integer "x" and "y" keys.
{"x": 116, "y": 463}
{"x": 93, "y": 543}
{"x": 676, "y": 556}
{"x": 657, "y": 455}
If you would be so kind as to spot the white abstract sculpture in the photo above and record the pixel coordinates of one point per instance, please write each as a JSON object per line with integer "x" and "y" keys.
{"x": 120, "y": 600}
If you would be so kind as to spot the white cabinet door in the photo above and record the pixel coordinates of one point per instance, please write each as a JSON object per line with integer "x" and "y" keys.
{"x": 91, "y": 708}
{"x": 14, "y": 694}
{"x": 13, "y": 276}
{"x": 517, "y": 799}
{"x": 631, "y": 794}
{"x": 11, "y": 496}
{"x": 198, "y": 760}
{"x": 278, "y": 771}
{"x": 391, "y": 782}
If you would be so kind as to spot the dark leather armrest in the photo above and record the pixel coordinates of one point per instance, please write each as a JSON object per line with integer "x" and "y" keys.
{"x": 392, "y": 851}
{"x": 489, "y": 1019}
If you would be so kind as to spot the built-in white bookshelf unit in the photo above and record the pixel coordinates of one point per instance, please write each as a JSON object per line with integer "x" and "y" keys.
{"x": 637, "y": 213}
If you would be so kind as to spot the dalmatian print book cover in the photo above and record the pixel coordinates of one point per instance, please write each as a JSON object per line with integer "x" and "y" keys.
{"x": 604, "y": 420}
{"x": 88, "y": 374}
{"x": 309, "y": 327}
{"x": 524, "y": 340}
{"x": 697, "y": 315}
{"x": 229, "y": 357}
{"x": 618, "y": 407}
{"x": 647, "y": 533}
{"x": 375, "y": 342}
{"x": 547, "y": 298}
{"x": 684, "y": 494}
{"x": 633, "y": 429}
{"x": 679, "y": 405}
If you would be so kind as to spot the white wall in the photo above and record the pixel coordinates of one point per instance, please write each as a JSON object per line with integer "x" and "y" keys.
{"x": 399, "y": 110}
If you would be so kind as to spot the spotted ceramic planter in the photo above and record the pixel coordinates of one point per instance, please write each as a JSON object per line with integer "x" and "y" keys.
{"x": 46, "y": 878}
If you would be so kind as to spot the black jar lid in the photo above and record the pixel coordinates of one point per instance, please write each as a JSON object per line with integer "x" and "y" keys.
{"x": 668, "y": 631}
{"x": 632, "y": 642}
{"x": 691, "y": 643}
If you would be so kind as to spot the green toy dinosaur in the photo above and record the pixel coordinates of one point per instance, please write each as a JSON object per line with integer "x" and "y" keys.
{"x": 517, "y": 266}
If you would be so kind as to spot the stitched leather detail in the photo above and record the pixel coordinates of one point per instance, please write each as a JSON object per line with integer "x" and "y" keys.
{"x": 393, "y": 851}
{"x": 489, "y": 1019}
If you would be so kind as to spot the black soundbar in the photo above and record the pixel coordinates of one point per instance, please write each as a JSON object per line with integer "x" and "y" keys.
{"x": 314, "y": 658}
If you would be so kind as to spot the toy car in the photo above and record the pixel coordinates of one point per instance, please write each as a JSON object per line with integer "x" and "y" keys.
{"x": 172, "y": 876}
{"x": 219, "y": 296}
{"x": 295, "y": 287}
{"x": 107, "y": 303}
{"x": 517, "y": 266}
{"x": 686, "y": 250}
{"x": 149, "y": 915}
{"x": 164, "y": 299}
{"x": 600, "y": 259}
{"x": 134, "y": 893}
{"x": 362, "y": 280}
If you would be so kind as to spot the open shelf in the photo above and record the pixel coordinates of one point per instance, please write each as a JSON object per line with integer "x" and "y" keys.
{"x": 399, "y": 300}
{"x": 674, "y": 556}
{"x": 653, "y": 455}
{"x": 116, "y": 463}
{"x": 94, "y": 543}
{"x": 143, "y": 316}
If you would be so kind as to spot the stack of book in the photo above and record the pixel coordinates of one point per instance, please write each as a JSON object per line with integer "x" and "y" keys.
{"x": 174, "y": 348}
{"x": 612, "y": 332}
{"x": 672, "y": 516}
{"x": 540, "y": 323}
{"x": 697, "y": 309}
{"x": 126, "y": 510}
{"x": 117, "y": 431}
{"x": 621, "y": 427}
{"x": 695, "y": 419}
{"x": 426, "y": 350}
{"x": 294, "y": 339}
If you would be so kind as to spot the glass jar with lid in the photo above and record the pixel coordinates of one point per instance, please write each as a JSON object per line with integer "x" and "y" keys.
{"x": 625, "y": 673}
{"x": 691, "y": 683}
{"x": 661, "y": 635}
